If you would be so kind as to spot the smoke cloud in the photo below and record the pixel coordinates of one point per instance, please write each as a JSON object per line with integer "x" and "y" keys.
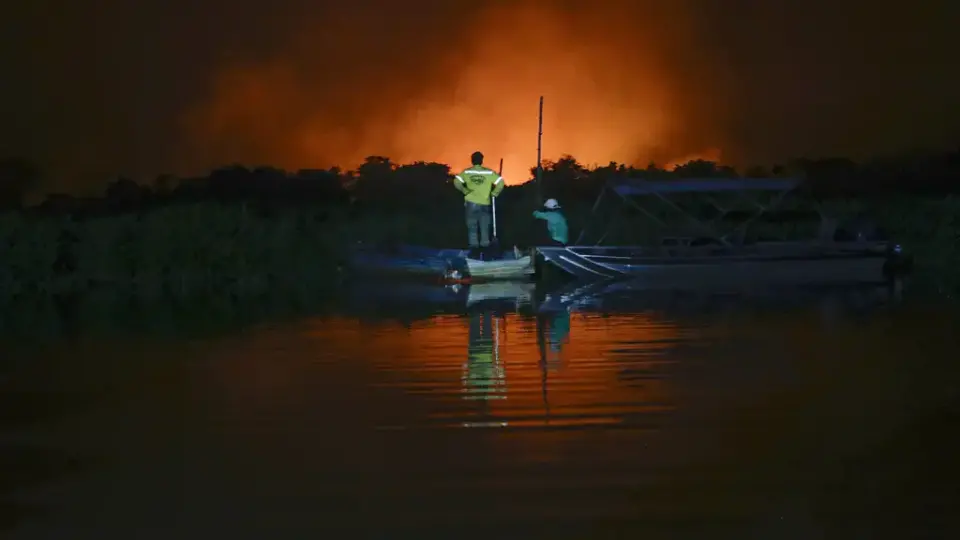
{"x": 616, "y": 80}
{"x": 99, "y": 88}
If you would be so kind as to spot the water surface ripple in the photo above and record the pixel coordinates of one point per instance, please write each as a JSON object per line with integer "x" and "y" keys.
{"x": 807, "y": 420}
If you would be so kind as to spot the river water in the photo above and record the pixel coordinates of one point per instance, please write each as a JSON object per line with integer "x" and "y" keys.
{"x": 458, "y": 414}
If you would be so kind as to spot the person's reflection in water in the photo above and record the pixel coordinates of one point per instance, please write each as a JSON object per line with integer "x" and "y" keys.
{"x": 558, "y": 333}
{"x": 484, "y": 374}
{"x": 552, "y": 333}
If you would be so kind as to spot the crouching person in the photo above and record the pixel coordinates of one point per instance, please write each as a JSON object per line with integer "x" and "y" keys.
{"x": 556, "y": 222}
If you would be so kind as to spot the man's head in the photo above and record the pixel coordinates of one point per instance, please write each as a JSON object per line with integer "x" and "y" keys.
{"x": 476, "y": 158}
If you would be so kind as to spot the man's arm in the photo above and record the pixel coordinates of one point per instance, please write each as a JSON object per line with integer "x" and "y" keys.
{"x": 497, "y": 186}
{"x": 460, "y": 184}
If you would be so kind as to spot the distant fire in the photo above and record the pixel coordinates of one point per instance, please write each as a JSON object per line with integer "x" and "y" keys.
{"x": 711, "y": 154}
{"x": 609, "y": 95}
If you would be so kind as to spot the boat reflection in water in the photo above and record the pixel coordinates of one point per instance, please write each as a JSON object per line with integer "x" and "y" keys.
{"x": 485, "y": 370}
{"x": 523, "y": 354}
{"x": 630, "y": 295}
{"x": 484, "y": 373}
{"x": 553, "y": 332}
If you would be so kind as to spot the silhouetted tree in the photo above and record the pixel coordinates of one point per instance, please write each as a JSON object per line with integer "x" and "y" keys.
{"x": 124, "y": 193}
{"x": 651, "y": 172}
{"x": 703, "y": 169}
{"x": 17, "y": 177}
{"x": 375, "y": 168}
{"x": 756, "y": 172}
{"x": 568, "y": 168}
{"x": 164, "y": 184}
{"x": 378, "y": 185}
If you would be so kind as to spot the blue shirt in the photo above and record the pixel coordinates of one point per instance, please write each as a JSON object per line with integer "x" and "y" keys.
{"x": 556, "y": 224}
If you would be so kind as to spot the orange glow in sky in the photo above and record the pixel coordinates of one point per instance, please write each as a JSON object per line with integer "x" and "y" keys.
{"x": 608, "y": 88}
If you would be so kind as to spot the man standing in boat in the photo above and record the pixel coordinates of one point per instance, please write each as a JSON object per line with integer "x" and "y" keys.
{"x": 478, "y": 185}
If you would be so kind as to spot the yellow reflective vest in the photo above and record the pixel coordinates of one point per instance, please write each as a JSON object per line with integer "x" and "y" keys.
{"x": 478, "y": 184}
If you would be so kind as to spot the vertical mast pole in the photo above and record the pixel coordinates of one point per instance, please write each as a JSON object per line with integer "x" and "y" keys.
{"x": 539, "y": 178}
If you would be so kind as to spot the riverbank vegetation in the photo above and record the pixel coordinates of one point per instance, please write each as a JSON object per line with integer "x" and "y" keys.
{"x": 243, "y": 230}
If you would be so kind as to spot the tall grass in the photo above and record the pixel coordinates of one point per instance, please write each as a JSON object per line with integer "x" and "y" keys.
{"x": 212, "y": 247}
{"x": 198, "y": 247}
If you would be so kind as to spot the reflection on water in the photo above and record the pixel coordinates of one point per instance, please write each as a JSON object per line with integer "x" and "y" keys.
{"x": 24, "y": 464}
{"x": 612, "y": 414}
{"x": 484, "y": 377}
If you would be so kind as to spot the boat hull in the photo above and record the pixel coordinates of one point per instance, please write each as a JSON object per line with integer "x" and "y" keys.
{"x": 782, "y": 263}
{"x": 619, "y": 296}
{"x": 496, "y": 292}
{"x": 507, "y": 269}
{"x": 446, "y": 264}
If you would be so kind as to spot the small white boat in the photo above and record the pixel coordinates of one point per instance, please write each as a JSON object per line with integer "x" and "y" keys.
{"x": 514, "y": 265}
{"x": 520, "y": 291}
{"x": 502, "y": 269}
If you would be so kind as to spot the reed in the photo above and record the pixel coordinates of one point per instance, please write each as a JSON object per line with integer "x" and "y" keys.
{"x": 240, "y": 249}
{"x": 179, "y": 249}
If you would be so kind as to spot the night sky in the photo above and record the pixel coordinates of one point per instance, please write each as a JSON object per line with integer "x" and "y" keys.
{"x": 98, "y": 88}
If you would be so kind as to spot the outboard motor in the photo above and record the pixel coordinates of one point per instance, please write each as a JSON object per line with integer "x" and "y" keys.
{"x": 899, "y": 264}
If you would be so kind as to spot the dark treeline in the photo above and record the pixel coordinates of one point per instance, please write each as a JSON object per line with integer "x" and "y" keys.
{"x": 255, "y": 228}
{"x": 927, "y": 174}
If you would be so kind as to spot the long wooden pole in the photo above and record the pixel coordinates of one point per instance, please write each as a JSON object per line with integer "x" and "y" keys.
{"x": 493, "y": 202}
{"x": 539, "y": 156}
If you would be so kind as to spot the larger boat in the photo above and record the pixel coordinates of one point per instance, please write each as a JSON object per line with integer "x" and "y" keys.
{"x": 709, "y": 257}
{"x": 613, "y": 296}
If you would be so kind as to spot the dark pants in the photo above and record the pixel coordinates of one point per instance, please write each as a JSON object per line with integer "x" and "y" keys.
{"x": 479, "y": 219}
{"x": 542, "y": 238}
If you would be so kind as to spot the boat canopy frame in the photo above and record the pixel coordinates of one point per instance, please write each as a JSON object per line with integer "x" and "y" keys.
{"x": 629, "y": 189}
